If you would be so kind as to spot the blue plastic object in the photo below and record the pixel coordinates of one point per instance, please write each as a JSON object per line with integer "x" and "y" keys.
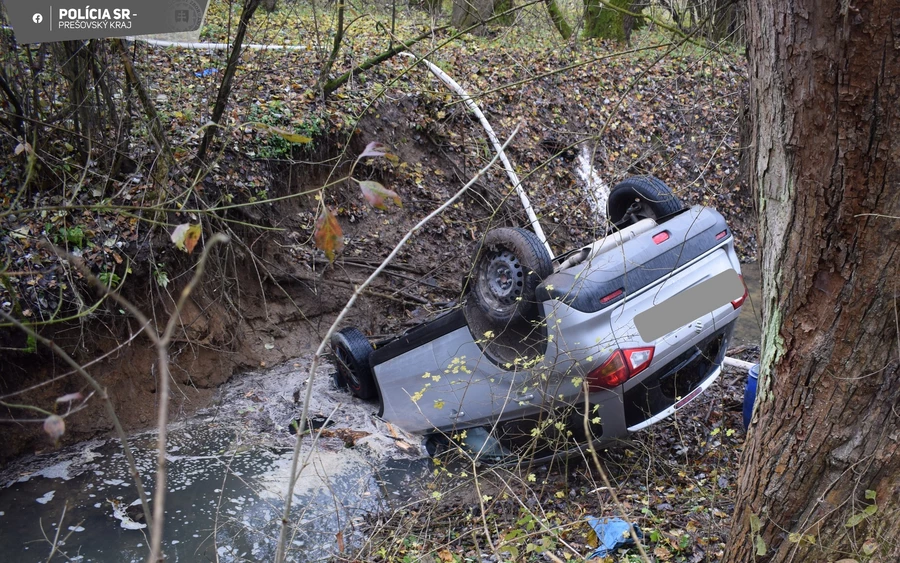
{"x": 206, "y": 72}
{"x": 612, "y": 533}
{"x": 750, "y": 394}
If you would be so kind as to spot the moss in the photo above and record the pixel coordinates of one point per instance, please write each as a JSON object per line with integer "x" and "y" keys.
{"x": 603, "y": 22}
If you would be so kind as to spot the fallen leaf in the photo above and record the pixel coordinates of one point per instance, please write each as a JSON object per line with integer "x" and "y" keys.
{"x": 870, "y": 547}
{"x": 288, "y": 136}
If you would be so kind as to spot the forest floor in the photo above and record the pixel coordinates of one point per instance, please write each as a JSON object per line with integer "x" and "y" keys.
{"x": 660, "y": 107}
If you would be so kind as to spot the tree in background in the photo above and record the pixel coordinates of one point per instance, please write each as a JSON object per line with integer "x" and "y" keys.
{"x": 610, "y": 19}
{"x": 467, "y": 13}
{"x": 559, "y": 19}
{"x": 820, "y": 478}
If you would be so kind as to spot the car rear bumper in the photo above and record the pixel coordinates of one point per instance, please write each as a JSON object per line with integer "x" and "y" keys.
{"x": 678, "y": 382}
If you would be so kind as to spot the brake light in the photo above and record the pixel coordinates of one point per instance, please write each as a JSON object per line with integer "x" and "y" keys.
{"x": 740, "y": 300}
{"x": 619, "y": 368}
{"x": 611, "y": 296}
{"x": 722, "y": 235}
{"x": 660, "y": 238}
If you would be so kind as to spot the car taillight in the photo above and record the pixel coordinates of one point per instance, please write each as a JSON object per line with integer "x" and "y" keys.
{"x": 740, "y": 300}
{"x": 619, "y": 368}
{"x": 638, "y": 359}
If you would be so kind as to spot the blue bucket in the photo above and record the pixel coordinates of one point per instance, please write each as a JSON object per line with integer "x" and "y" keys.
{"x": 750, "y": 394}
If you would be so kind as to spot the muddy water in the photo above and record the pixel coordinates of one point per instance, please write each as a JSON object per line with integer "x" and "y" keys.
{"x": 228, "y": 470}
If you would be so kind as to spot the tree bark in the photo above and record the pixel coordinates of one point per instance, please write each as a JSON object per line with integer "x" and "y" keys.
{"x": 467, "y": 13}
{"x": 431, "y": 6}
{"x": 558, "y": 19}
{"x": 825, "y": 78}
{"x": 610, "y": 19}
{"x": 325, "y": 71}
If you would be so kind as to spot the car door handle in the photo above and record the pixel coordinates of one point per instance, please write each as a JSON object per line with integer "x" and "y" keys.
{"x": 525, "y": 397}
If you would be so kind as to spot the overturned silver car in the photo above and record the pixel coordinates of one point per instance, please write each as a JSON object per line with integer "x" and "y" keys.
{"x": 545, "y": 354}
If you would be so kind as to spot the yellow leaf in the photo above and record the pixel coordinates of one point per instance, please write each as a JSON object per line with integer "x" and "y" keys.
{"x": 288, "y": 136}
{"x": 186, "y": 236}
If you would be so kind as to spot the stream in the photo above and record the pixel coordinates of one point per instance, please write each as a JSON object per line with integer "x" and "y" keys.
{"x": 228, "y": 468}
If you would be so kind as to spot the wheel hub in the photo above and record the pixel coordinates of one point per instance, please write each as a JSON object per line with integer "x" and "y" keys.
{"x": 504, "y": 276}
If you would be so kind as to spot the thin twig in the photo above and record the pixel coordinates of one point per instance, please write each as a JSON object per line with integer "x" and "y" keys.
{"x": 282, "y": 537}
{"x": 156, "y": 532}
{"x": 161, "y": 342}
{"x": 606, "y": 483}
{"x": 68, "y": 373}
{"x": 59, "y": 526}
{"x": 101, "y": 392}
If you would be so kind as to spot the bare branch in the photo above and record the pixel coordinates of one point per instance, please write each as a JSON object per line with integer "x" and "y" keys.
{"x": 282, "y": 537}
{"x": 107, "y": 403}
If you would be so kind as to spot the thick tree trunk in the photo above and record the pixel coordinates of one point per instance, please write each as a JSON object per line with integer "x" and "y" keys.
{"x": 610, "y": 19}
{"x": 467, "y": 13}
{"x": 825, "y": 81}
{"x": 558, "y": 19}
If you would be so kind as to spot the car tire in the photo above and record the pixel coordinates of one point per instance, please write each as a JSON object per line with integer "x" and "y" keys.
{"x": 508, "y": 268}
{"x": 351, "y": 351}
{"x": 645, "y": 197}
